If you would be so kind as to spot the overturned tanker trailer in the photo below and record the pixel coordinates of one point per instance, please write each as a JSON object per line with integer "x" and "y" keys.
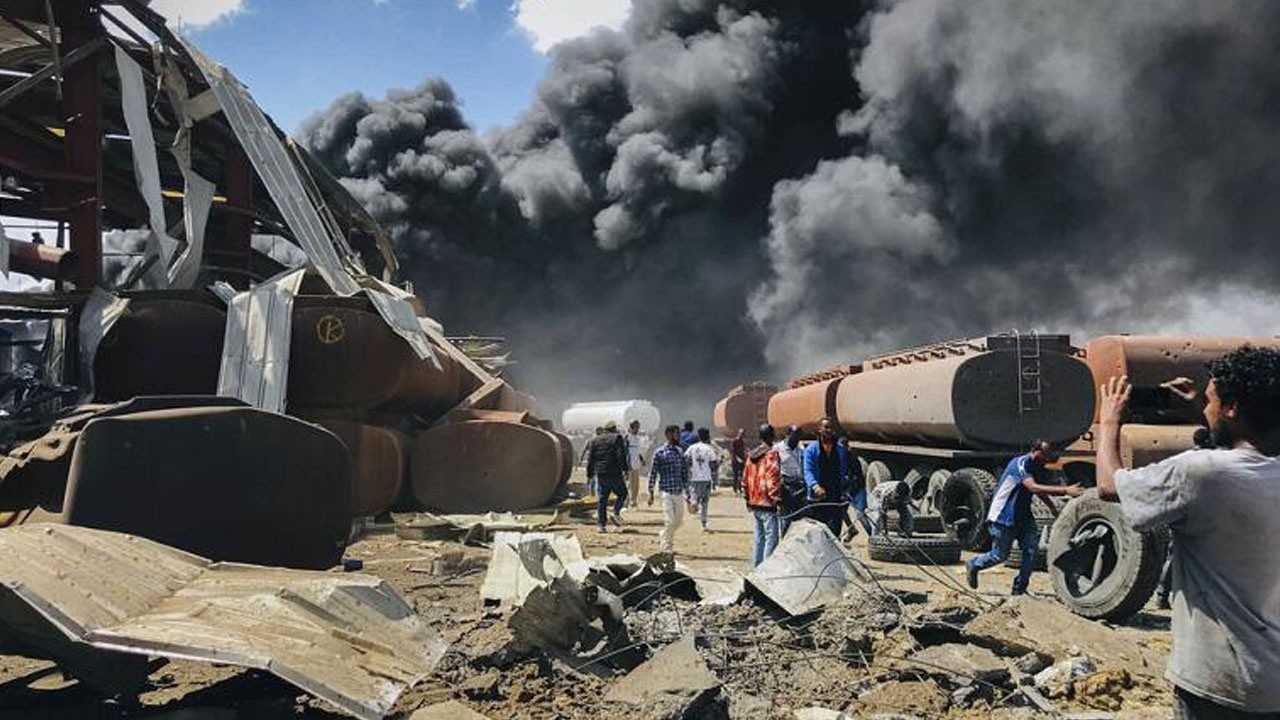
{"x": 946, "y": 418}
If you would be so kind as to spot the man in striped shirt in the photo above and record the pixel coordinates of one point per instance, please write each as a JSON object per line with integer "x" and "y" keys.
{"x": 669, "y": 471}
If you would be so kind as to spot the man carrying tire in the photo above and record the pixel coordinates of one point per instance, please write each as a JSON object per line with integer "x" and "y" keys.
{"x": 1010, "y": 517}
{"x": 1220, "y": 505}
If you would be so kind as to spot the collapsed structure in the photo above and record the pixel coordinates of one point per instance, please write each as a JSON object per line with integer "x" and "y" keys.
{"x": 217, "y": 310}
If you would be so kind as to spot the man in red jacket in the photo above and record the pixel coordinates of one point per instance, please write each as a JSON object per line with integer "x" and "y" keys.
{"x": 762, "y": 485}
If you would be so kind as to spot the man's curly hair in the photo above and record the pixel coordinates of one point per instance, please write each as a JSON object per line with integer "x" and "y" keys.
{"x": 1249, "y": 378}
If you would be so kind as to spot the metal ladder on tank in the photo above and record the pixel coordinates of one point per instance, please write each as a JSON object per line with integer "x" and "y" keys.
{"x": 1028, "y": 371}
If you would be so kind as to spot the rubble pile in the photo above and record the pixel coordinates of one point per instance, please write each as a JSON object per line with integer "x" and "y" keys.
{"x": 621, "y": 635}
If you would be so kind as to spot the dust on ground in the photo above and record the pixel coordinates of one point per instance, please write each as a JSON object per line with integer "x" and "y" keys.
{"x": 943, "y": 652}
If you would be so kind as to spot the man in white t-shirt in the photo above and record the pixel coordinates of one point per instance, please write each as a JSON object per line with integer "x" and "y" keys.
{"x": 637, "y": 446}
{"x": 703, "y": 459}
{"x": 1221, "y": 506}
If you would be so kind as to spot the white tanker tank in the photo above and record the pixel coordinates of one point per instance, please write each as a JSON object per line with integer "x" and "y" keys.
{"x": 585, "y": 417}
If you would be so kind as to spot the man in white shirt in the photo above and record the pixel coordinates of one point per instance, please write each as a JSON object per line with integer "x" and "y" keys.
{"x": 1220, "y": 505}
{"x": 637, "y": 446}
{"x": 791, "y": 460}
{"x": 702, "y": 458}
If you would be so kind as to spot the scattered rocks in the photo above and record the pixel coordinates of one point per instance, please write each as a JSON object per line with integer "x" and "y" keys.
{"x": 1033, "y": 662}
{"x": 964, "y": 662}
{"x": 451, "y": 710}
{"x": 1056, "y": 680}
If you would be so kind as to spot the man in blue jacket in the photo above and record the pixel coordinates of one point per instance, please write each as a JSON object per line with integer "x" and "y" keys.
{"x": 826, "y": 478}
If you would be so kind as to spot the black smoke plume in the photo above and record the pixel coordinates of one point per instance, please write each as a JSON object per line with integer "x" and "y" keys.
{"x": 742, "y": 189}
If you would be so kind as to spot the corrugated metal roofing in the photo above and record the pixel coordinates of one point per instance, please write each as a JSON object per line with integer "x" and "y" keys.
{"x": 348, "y": 639}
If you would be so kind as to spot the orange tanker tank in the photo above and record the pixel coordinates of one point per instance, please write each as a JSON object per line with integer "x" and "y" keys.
{"x": 1153, "y": 360}
{"x": 805, "y": 405}
{"x": 745, "y": 408}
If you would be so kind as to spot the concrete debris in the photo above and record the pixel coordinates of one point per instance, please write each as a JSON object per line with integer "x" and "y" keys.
{"x": 522, "y": 562}
{"x": 1060, "y": 675}
{"x": 452, "y": 710}
{"x": 817, "y": 713}
{"x": 565, "y": 616}
{"x": 809, "y": 569}
{"x": 674, "y": 683}
{"x": 921, "y": 698}
{"x": 467, "y": 529}
{"x": 969, "y": 662}
{"x": 347, "y": 639}
{"x": 1017, "y": 627}
{"x": 1032, "y": 663}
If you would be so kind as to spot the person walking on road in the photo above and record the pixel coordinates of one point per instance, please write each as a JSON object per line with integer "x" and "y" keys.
{"x": 637, "y": 445}
{"x": 1010, "y": 516}
{"x": 762, "y": 485}
{"x": 687, "y": 436}
{"x": 737, "y": 457}
{"x": 1220, "y": 505}
{"x": 791, "y": 462}
{"x": 607, "y": 463}
{"x": 702, "y": 459}
{"x": 826, "y": 477}
{"x": 670, "y": 473}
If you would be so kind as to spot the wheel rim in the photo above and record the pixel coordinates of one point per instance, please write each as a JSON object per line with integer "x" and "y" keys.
{"x": 1092, "y": 558}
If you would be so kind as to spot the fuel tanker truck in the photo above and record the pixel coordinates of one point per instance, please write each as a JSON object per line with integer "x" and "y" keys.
{"x": 946, "y": 418}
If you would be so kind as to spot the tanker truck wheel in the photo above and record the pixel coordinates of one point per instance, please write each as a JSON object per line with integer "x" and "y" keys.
{"x": 917, "y": 550}
{"x": 877, "y": 471}
{"x": 965, "y": 496}
{"x": 1100, "y": 567}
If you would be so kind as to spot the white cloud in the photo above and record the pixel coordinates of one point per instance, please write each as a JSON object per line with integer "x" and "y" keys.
{"x": 548, "y": 22}
{"x": 466, "y": 4}
{"x": 196, "y": 14}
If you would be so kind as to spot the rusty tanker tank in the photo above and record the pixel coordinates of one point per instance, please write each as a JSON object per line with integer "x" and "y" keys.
{"x": 1152, "y": 361}
{"x": 806, "y": 401}
{"x": 745, "y": 408}
{"x": 990, "y": 393}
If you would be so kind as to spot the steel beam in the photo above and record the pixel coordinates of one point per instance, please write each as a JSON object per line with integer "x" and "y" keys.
{"x": 82, "y": 114}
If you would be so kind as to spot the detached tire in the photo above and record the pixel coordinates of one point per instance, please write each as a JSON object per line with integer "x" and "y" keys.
{"x": 917, "y": 550}
{"x": 1101, "y": 568}
{"x": 964, "y": 500}
{"x": 877, "y": 472}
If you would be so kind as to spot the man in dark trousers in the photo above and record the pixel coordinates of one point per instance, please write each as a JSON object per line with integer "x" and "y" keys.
{"x": 737, "y": 458}
{"x": 1220, "y": 505}
{"x": 1010, "y": 517}
{"x": 826, "y": 477}
{"x": 607, "y": 463}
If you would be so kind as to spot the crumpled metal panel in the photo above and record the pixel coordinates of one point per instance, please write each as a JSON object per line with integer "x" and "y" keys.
{"x": 99, "y": 315}
{"x": 347, "y": 639}
{"x": 275, "y": 167}
{"x": 255, "y": 349}
{"x": 809, "y": 569}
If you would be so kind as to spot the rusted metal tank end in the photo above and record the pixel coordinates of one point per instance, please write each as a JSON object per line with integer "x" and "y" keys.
{"x": 805, "y": 405}
{"x": 483, "y": 465}
{"x": 228, "y": 483}
{"x": 379, "y": 460}
{"x": 744, "y": 408}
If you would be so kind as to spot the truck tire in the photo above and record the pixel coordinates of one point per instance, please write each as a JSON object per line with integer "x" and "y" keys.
{"x": 1101, "y": 568}
{"x": 1045, "y": 511}
{"x": 965, "y": 497}
{"x": 917, "y": 550}
{"x": 878, "y": 472}
{"x": 926, "y": 524}
{"x": 932, "y": 498}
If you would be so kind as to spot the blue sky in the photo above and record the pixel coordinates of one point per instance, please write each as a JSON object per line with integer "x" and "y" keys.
{"x": 298, "y": 55}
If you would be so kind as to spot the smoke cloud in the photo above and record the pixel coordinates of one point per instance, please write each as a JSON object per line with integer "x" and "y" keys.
{"x": 725, "y": 191}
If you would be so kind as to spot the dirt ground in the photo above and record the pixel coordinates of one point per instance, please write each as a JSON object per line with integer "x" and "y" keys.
{"x": 846, "y": 658}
